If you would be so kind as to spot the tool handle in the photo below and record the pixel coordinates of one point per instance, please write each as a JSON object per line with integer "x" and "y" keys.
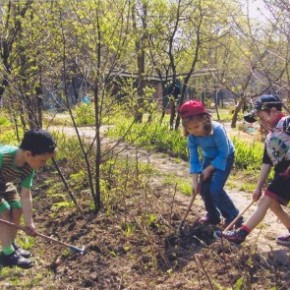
{"x": 238, "y": 216}
{"x": 13, "y": 225}
{"x": 187, "y": 211}
{"x": 190, "y": 204}
{"x": 19, "y": 227}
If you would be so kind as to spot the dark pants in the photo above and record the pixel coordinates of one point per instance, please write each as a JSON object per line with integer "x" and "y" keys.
{"x": 216, "y": 200}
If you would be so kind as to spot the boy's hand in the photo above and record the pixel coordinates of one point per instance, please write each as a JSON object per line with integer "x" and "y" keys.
{"x": 256, "y": 194}
{"x": 31, "y": 230}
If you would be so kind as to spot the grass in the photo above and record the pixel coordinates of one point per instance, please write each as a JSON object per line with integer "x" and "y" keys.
{"x": 183, "y": 186}
{"x": 243, "y": 180}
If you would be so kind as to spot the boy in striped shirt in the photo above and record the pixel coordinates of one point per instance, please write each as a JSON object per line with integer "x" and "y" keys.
{"x": 17, "y": 170}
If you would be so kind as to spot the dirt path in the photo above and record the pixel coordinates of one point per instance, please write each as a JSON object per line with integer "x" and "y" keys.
{"x": 263, "y": 236}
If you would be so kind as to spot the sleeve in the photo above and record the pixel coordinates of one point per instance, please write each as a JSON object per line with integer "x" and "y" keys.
{"x": 223, "y": 146}
{"x": 194, "y": 163}
{"x": 1, "y": 160}
{"x": 27, "y": 182}
{"x": 266, "y": 159}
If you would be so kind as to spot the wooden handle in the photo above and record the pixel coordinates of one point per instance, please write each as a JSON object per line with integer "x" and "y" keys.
{"x": 190, "y": 204}
{"x": 238, "y": 216}
{"x": 40, "y": 235}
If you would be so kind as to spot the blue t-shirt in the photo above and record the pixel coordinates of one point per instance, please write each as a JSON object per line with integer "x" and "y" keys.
{"x": 217, "y": 146}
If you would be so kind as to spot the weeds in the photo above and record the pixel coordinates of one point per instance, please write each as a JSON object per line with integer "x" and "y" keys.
{"x": 84, "y": 114}
{"x": 184, "y": 186}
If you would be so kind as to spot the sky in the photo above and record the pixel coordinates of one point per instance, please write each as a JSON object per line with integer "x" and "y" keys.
{"x": 257, "y": 9}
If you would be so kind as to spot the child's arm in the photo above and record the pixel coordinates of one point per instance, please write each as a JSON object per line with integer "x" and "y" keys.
{"x": 222, "y": 143}
{"x": 26, "y": 203}
{"x": 207, "y": 172}
{"x": 194, "y": 163}
{"x": 194, "y": 182}
{"x": 265, "y": 169}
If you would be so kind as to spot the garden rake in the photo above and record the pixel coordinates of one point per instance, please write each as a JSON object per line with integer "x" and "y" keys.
{"x": 71, "y": 247}
{"x": 194, "y": 194}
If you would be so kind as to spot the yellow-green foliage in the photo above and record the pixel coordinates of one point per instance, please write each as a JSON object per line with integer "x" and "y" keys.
{"x": 62, "y": 205}
{"x": 240, "y": 284}
{"x": 84, "y": 114}
{"x": 77, "y": 179}
{"x": 183, "y": 186}
{"x": 248, "y": 154}
{"x": 69, "y": 146}
{"x": 128, "y": 229}
{"x": 8, "y": 137}
{"x": 4, "y": 121}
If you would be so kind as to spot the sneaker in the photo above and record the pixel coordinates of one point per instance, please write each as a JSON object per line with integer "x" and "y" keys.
{"x": 22, "y": 252}
{"x": 283, "y": 240}
{"x": 205, "y": 220}
{"x": 15, "y": 259}
{"x": 234, "y": 236}
{"x": 236, "y": 225}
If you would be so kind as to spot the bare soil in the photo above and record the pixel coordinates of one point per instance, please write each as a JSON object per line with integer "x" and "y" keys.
{"x": 153, "y": 255}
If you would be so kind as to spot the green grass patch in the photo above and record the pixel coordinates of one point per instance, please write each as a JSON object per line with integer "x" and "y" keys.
{"x": 184, "y": 187}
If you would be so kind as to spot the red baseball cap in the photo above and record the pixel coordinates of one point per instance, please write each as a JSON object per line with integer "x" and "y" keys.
{"x": 191, "y": 108}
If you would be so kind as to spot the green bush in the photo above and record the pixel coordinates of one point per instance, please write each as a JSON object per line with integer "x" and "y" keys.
{"x": 248, "y": 155}
{"x": 84, "y": 114}
{"x": 3, "y": 120}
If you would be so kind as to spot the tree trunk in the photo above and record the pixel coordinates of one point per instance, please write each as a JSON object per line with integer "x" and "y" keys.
{"x": 238, "y": 108}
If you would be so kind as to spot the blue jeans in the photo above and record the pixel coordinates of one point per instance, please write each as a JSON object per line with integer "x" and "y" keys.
{"x": 216, "y": 200}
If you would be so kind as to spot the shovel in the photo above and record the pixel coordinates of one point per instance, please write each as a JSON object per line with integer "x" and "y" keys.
{"x": 190, "y": 205}
{"x": 71, "y": 247}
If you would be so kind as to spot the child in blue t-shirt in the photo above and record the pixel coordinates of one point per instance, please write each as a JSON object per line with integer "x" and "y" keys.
{"x": 218, "y": 154}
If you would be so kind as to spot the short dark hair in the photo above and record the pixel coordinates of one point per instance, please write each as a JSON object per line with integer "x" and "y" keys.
{"x": 38, "y": 141}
